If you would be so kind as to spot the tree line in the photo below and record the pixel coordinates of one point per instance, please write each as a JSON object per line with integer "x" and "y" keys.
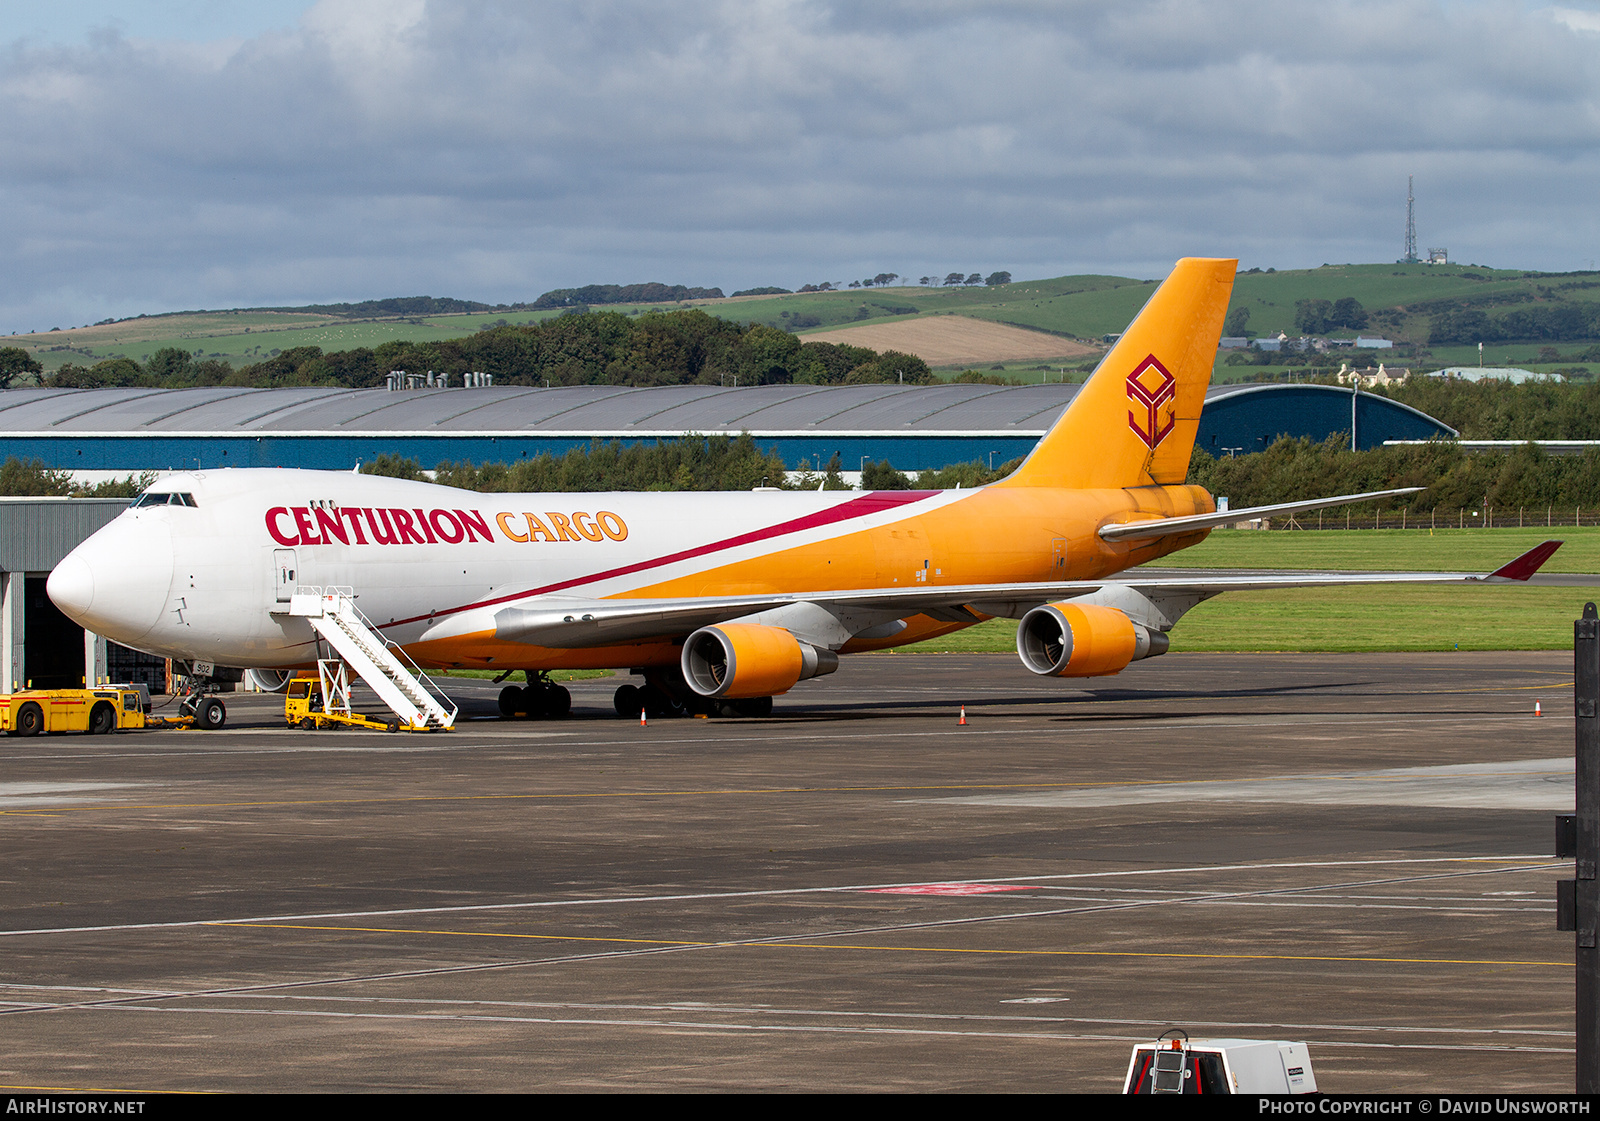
{"x": 17, "y": 363}
{"x": 1452, "y": 478}
{"x": 30, "y": 478}
{"x": 1290, "y": 469}
{"x": 403, "y": 307}
{"x": 689, "y": 463}
{"x": 1562, "y": 322}
{"x": 1548, "y": 313}
{"x": 1318, "y": 317}
{"x": 1503, "y": 410}
{"x": 702, "y": 463}
{"x": 589, "y": 348}
{"x": 651, "y": 293}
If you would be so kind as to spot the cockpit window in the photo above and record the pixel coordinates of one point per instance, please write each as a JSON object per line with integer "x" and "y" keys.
{"x": 151, "y": 498}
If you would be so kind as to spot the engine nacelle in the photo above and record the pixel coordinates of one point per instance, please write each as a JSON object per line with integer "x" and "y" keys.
{"x": 268, "y": 680}
{"x": 736, "y": 660}
{"x": 1083, "y": 640}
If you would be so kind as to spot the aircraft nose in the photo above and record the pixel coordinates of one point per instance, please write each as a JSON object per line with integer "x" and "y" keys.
{"x": 116, "y": 583}
{"x": 71, "y": 586}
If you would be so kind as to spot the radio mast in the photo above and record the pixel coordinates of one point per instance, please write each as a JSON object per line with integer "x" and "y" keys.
{"x": 1411, "y": 226}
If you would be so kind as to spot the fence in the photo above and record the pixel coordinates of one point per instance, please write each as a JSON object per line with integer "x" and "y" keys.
{"x": 1464, "y": 517}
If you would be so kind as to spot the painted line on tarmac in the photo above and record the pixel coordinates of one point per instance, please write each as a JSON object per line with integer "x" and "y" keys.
{"x": 664, "y": 730}
{"x": 93, "y": 1090}
{"x": 1314, "y": 893}
{"x": 1009, "y": 733}
{"x": 808, "y": 941}
{"x": 779, "y": 1029}
{"x": 1487, "y": 865}
{"x": 1436, "y": 909}
{"x": 639, "y": 947}
{"x": 1202, "y": 898}
{"x": 1521, "y": 785}
{"x": 803, "y": 943}
{"x": 21, "y": 797}
{"x": 709, "y": 1008}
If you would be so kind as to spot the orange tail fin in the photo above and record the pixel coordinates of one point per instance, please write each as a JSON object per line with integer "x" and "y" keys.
{"x": 1133, "y": 422}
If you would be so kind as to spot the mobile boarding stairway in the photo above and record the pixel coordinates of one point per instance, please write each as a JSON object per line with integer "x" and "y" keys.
{"x": 410, "y": 694}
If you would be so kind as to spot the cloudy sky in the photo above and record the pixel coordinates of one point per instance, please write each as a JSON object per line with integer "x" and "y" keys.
{"x": 187, "y": 154}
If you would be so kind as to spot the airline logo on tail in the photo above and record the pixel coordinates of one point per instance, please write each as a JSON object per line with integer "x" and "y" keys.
{"x": 1149, "y": 387}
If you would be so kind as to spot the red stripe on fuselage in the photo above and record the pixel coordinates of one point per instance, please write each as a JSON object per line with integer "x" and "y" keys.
{"x": 870, "y": 503}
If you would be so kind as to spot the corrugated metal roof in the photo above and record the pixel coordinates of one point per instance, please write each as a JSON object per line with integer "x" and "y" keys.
{"x": 36, "y": 533}
{"x": 599, "y": 409}
{"x": 519, "y": 409}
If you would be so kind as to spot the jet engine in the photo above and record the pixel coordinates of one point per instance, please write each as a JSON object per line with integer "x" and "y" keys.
{"x": 1083, "y": 640}
{"x": 734, "y": 660}
{"x": 268, "y": 680}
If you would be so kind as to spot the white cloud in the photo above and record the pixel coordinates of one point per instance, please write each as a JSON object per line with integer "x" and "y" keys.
{"x": 196, "y": 21}
{"x": 494, "y": 149}
{"x": 1576, "y": 19}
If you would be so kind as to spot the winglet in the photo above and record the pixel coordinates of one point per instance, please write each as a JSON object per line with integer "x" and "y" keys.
{"x": 1527, "y": 564}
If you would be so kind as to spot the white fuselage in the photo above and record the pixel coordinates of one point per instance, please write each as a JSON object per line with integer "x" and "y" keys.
{"x": 210, "y": 580}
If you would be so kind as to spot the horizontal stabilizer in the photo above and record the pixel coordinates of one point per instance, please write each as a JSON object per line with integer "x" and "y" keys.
{"x": 1166, "y": 527}
{"x": 1527, "y": 564}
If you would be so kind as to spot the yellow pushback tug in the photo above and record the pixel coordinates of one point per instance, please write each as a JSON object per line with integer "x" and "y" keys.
{"x": 97, "y": 711}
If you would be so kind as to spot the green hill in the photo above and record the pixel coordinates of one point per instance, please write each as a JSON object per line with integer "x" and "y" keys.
{"x": 1406, "y": 303}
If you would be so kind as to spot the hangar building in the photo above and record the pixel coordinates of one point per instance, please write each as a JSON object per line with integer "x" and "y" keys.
{"x": 43, "y": 648}
{"x": 913, "y": 427}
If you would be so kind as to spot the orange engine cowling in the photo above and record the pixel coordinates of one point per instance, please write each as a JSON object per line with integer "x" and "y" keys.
{"x": 1083, "y": 640}
{"x": 737, "y": 660}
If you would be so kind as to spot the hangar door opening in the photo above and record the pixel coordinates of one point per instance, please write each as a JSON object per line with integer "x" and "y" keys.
{"x": 53, "y": 642}
{"x": 134, "y": 667}
{"x": 55, "y": 654}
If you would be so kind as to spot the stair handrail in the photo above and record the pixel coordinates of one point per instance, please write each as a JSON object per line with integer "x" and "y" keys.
{"x": 440, "y": 697}
{"x": 344, "y": 592}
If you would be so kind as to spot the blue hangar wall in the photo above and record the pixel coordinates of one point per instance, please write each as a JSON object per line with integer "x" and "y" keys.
{"x": 100, "y": 452}
{"x": 1243, "y": 419}
{"x": 1248, "y": 418}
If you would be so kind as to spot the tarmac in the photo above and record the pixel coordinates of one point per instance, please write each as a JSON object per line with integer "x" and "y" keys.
{"x": 857, "y": 893}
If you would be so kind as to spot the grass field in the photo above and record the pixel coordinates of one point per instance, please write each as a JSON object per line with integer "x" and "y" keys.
{"x": 1078, "y": 306}
{"x": 1328, "y": 620}
{"x": 246, "y": 337}
{"x": 954, "y": 341}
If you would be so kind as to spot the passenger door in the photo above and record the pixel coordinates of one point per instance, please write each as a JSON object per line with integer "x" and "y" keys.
{"x": 285, "y": 567}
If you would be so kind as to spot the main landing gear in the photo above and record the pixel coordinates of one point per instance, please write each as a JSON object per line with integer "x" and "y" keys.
{"x": 541, "y": 699}
{"x": 666, "y": 694}
{"x": 195, "y": 701}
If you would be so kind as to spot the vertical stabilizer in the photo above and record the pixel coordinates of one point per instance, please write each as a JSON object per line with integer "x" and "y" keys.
{"x": 1133, "y": 422}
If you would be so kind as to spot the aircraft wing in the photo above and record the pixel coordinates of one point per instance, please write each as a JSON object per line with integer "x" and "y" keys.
{"x": 570, "y": 622}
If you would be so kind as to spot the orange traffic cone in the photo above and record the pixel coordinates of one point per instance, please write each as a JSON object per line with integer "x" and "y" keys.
{"x": 963, "y": 719}
{"x": 1536, "y": 710}
{"x": 641, "y": 718}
